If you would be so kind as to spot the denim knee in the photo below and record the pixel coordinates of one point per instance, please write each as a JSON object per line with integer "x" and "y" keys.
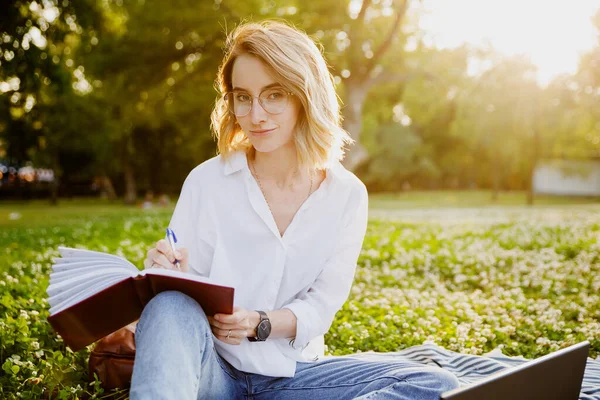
{"x": 445, "y": 379}
{"x": 176, "y": 310}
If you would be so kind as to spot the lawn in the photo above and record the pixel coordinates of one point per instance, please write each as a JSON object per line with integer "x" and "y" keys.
{"x": 458, "y": 270}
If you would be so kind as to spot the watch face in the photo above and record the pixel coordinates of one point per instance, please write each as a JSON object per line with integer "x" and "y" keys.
{"x": 263, "y": 330}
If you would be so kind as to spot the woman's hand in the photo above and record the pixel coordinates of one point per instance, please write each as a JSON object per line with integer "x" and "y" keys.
{"x": 162, "y": 256}
{"x": 233, "y": 328}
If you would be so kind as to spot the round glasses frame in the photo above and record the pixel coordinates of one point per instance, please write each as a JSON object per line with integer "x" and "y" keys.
{"x": 229, "y": 100}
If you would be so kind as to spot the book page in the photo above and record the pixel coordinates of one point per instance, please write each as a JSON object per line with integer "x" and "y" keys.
{"x": 69, "y": 253}
{"x": 86, "y": 270}
{"x": 62, "y": 264}
{"x": 82, "y": 273}
{"x": 68, "y": 260}
{"x": 59, "y": 285}
{"x": 60, "y": 293}
{"x": 90, "y": 291}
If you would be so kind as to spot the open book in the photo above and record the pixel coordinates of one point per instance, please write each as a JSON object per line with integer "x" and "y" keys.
{"x": 92, "y": 294}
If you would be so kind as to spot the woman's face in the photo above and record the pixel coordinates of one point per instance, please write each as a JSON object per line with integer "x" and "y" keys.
{"x": 267, "y": 132}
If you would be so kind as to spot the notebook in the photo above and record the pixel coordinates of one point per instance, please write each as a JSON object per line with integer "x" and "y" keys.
{"x": 92, "y": 294}
{"x": 555, "y": 376}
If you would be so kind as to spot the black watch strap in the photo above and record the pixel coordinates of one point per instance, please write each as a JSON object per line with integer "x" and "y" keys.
{"x": 264, "y": 326}
{"x": 263, "y": 315}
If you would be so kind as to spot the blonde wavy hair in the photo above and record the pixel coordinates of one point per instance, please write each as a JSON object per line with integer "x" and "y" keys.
{"x": 298, "y": 65}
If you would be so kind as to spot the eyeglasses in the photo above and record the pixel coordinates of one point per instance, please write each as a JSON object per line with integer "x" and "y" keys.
{"x": 273, "y": 101}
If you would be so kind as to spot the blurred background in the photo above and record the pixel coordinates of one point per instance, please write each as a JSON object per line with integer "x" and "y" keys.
{"x": 111, "y": 98}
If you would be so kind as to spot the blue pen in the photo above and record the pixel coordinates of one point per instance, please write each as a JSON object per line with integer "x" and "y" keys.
{"x": 172, "y": 240}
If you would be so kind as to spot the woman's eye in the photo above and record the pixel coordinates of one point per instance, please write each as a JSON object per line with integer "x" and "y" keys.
{"x": 242, "y": 97}
{"x": 275, "y": 95}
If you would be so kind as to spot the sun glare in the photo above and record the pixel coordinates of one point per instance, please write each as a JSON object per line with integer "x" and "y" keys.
{"x": 553, "y": 33}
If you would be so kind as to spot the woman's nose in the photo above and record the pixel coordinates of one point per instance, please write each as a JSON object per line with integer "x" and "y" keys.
{"x": 257, "y": 113}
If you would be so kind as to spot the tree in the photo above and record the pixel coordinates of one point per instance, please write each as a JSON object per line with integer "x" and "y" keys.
{"x": 430, "y": 103}
{"x": 363, "y": 43}
{"x": 36, "y": 71}
{"x": 585, "y": 88}
{"x": 155, "y": 64}
{"x": 496, "y": 113}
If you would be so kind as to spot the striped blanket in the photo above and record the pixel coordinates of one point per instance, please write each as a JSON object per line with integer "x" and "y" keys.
{"x": 469, "y": 368}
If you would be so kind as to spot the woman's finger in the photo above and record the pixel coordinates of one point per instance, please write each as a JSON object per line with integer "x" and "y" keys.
{"x": 183, "y": 255}
{"x": 221, "y": 330}
{"x": 225, "y": 332}
{"x": 165, "y": 248}
{"x": 150, "y": 257}
{"x": 225, "y": 325}
{"x": 156, "y": 258}
{"x": 162, "y": 261}
{"x": 214, "y": 323}
{"x": 229, "y": 336}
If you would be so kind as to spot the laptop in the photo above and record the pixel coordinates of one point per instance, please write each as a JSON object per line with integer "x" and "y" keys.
{"x": 555, "y": 376}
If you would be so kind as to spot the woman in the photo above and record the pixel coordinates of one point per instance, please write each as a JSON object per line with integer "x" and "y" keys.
{"x": 276, "y": 216}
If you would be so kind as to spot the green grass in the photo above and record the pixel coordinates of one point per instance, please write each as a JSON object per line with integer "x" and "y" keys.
{"x": 468, "y": 198}
{"x": 38, "y": 212}
{"x": 470, "y": 278}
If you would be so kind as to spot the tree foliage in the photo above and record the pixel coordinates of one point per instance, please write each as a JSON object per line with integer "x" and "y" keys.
{"x": 124, "y": 89}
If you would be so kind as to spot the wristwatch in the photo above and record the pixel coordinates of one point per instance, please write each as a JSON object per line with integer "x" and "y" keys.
{"x": 263, "y": 330}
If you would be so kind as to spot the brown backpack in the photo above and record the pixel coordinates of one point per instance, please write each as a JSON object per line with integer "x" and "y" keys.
{"x": 112, "y": 358}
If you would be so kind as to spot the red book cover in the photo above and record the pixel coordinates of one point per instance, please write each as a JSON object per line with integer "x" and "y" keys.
{"x": 105, "y": 311}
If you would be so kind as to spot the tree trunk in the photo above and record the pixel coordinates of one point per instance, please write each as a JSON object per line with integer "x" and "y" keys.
{"x": 534, "y": 160}
{"x": 55, "y": 183}
{"x": 361, "y": 80}
{"x": 54, "y": 192}
{"x": 356, "y": 92}
{"x": 496, "y": 168}
{"x": 130, "y": 187}
{"x": 158, "y": 162}
{"x": 530, "y": 195}
{"x": 107, "y": 190}
{"x": 128, "y": 174}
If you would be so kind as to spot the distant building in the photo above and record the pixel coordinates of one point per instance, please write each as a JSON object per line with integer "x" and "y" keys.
{"x": 567, "y": 177}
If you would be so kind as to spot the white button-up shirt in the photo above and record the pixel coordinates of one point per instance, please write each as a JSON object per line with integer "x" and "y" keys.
{"x": 223, "y": 219}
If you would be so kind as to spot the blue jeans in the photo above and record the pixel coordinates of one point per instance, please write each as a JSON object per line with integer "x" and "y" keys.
{"x": 176, "y": 359}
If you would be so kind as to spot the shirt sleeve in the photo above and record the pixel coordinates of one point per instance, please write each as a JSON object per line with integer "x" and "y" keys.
{"x": 192, "y": 225}
{"x": 316, "y": 308}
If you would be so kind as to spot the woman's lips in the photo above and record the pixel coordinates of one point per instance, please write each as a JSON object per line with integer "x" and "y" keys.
{"x": 262, "y": 132}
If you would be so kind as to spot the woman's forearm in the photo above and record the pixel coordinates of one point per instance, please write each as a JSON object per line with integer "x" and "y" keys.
{"x": 283, "y": 323}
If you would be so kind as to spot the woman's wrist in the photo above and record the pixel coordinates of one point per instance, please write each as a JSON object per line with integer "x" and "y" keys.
{"x": 254, "y": 320}
{"x": 283, "y": 323}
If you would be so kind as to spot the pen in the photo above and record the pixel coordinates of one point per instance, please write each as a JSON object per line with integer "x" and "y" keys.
{"x": 172, "y": 240}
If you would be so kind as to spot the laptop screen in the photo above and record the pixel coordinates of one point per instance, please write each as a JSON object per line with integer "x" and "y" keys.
{"x": 555, "y": 376}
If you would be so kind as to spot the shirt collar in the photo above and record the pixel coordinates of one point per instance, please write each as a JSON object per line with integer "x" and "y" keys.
{"x": 238, "y": 161}
{"x": 235, "y": 162}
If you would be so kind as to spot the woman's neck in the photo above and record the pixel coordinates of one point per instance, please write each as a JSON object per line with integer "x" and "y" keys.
{"x": 279, "y": 166}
